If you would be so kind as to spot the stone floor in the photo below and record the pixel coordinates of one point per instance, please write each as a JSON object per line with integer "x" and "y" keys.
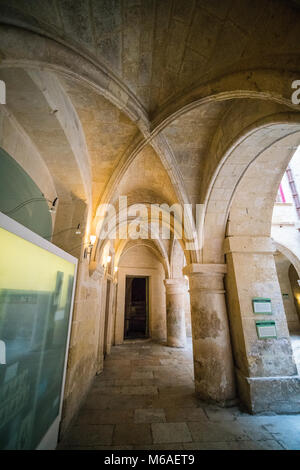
{"x": 144, "y": 399}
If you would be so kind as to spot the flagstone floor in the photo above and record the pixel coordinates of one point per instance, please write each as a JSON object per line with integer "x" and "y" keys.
{"x": 144, "y": 399}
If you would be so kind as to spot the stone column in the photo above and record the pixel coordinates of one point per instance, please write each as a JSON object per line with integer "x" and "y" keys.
{"x": 266, "y": 372}
{"x": 175, "y": 293}
{"x": 213, "y": 364}
{"x": 97, "y": 274}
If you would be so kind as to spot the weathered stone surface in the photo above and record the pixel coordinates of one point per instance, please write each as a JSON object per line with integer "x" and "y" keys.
{"x": 270, "y": 394}
{"x": 213, "y": 365}
{"x": 175, "y": 300}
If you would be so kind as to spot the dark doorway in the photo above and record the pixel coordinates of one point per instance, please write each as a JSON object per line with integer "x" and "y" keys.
{"x": 136, "y": 307}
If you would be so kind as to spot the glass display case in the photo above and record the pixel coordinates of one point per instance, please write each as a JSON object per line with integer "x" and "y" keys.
{"x": 36, "y": 298}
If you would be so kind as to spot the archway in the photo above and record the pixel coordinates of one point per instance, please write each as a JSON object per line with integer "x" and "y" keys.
{"x": 262, "y": 363}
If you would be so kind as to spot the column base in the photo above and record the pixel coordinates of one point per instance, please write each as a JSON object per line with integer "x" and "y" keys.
{"x": 218, "y": 401}
{"x": 175, "y": 344}
{"x": 269, "y": 394}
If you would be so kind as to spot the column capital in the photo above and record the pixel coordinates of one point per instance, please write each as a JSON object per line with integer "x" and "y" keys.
{"x": 207, "y": 278}
{"x": 248, "y": 244}
{"x": 177, "y": 284}
{"x": 205, "y": 269}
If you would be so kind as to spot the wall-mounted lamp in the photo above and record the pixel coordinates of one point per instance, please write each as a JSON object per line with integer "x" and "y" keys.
{"x": 78, "y": 231}
{"x": 108, "y": 259}
{"x": 52, "y": 208}
{"x": 93, "y": 239}
{"x": 89, "y": 248}
{"x": 116, "y": 269}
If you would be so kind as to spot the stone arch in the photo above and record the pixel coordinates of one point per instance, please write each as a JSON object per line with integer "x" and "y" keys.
{"x": 142, "y": 258}
{"x": 118, "y": 221}
{"x": 253, "y": 83}
{"x": 165, "y": 154}
{"x": 289, "y": 254}
{"x": 258, "y": 141}
{"x": 155, "y": 245}
{"x": 24, "y": 48}
{"x": 240, "y": 208}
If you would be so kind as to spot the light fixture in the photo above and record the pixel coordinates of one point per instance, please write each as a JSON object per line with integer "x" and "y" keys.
{"x": 116, "y": 269}
{"x": 78, "y": 231}
{"x": 88, "y": 250}
{"x": 108, "y": 259}
{"x": 53, "y": 208}
{"x": 92, "y": 239}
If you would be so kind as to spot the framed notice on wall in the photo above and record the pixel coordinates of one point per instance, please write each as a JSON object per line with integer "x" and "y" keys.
{"x": 262, "y": 305}
{"x": 266, "y": 329}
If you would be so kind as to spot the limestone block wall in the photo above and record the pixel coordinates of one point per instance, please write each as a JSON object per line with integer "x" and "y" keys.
{"x": 282, "y": 268}
{"x": 140, "y": 261}
{"x": 252, "y": 273}
{"x": 287, "y": 239}
{"x": 85, "y": 355}
{"x": 283, "y": 214}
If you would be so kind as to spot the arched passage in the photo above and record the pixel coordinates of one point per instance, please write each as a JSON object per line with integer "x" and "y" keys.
{"x": 141, "y": 261}
{"x": 261, "y": 364}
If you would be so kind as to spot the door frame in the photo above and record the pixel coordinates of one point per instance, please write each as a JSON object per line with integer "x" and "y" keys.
{"x": 132, "y": 276}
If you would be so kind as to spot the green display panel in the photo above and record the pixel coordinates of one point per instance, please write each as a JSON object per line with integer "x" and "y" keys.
{"x": 36, "y": 288}
{"x": 266, "y": 329}
{"x": 262, "y": 305}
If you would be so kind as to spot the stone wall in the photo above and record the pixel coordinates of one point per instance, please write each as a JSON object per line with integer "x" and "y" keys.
{"x": 85, "y": 355}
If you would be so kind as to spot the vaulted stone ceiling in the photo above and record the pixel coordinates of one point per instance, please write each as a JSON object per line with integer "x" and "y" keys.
{"x": 161, "y": 48}
{"x": 108, "y": 133}
{"x": 32, "y": 111}
{"x": 110, "y": 130}
{"x": 146, "y": 181}
{"x": 190, "y": 136}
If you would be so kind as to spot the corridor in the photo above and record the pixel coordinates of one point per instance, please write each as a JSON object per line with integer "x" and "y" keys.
{"x": 144, "y": 399}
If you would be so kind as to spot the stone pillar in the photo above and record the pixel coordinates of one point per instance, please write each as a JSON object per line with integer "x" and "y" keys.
{"x": 213, "y": 364}
{"x": 266, "y": 372}
{"x": 97, "y": 274}
{"x": 175, "y": 295}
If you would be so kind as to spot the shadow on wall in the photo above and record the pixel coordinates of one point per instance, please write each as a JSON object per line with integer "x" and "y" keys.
{"x": 21, "y": 199}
